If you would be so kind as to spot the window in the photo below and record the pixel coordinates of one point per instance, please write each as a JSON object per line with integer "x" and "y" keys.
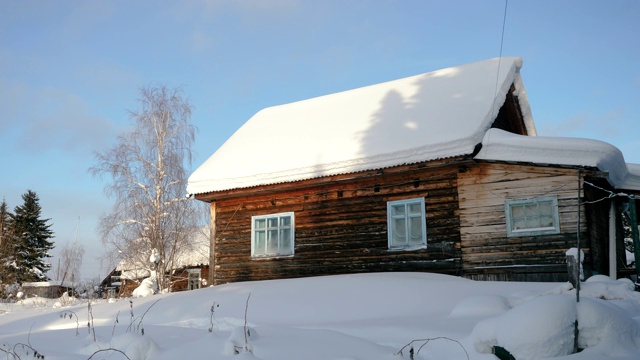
{"x": 535, "y": 216}
{"x": 406, "y": 224}
{"x": 272, "y": 235}
{"x": 193, "y": 280}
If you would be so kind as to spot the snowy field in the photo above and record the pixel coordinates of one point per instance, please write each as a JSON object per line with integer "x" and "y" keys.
{"x": 349, "y": 317}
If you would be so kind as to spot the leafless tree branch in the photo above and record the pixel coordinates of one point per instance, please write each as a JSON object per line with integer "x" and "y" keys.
{"x": 148, "y": 176}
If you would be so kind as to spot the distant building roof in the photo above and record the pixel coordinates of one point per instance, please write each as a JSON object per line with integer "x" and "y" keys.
{"x": 66, "y": 284}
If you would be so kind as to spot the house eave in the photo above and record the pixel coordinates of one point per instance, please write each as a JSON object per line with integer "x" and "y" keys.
{"x": 343, "y": 177}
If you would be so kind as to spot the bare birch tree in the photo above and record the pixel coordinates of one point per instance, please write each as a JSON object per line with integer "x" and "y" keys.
{"x": 148, "y": 175}
{"x": 70, "y": 261}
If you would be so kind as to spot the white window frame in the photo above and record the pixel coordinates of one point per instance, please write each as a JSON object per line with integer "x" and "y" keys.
{"x": 193, "y": 279}
{"x": 510, "y": 204}
{"x": 392, "y": 244}
{"x": 281, "y": 251}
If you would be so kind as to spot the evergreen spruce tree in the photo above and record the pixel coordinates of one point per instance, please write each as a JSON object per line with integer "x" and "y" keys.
{"x": 32, "y": 236}
{"x": 7, "y": 247}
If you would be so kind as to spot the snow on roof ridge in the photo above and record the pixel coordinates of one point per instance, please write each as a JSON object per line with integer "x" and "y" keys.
{"x": 632, "y": 180}
{"x": 499, "y": 145}
{"x": 430, "y": 116}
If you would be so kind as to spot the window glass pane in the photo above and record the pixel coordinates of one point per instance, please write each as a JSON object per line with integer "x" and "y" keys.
{"x": 532, "y": 222}
{"x": 259, "y": 242}
{"x": 285, "y": 241}
{"x": 519, "y": 224}
{"x": 272, "y": 222}
{"x": 399, "y": 232}
{"x": 272, "y": 242}
{"x": 546, "y": 221}
{"x": 545, "y": 208}
{"x": 397, "y": 209}
{"x": 260, "y": 223}
{"x": 285, "y": 221}
{"x": 415, "y": 208}
{"x": 531, "y": 209}
{"x": 415, "y": 229}
{"x": 517, "y": 211}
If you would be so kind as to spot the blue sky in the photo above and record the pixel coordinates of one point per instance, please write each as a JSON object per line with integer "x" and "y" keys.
{"x": 71, "y": 70}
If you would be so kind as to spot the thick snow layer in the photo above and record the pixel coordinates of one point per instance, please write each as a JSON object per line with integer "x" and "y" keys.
{"x": 195, "y": 253}
{"x": 543, "y": 327}
{"x": 133, "y": 274}
{"x": 147, "y": 287}
{"x": 435, "y": 115}
{"x": 632, "y": 180}
{"x": 499, "y": 145}
{"x": 348, "y": 317}
{"x": 537, "y": 329}
{"x": 48, "y": 284}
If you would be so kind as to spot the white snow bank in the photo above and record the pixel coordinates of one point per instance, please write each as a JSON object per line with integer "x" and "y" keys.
{"x": 603, "y": 323}
{"x": 537, "y": 329}
{"x": 543, "y": 327}
{"x": 64, "y": 300}
{"x": 239, "y": 342}
{"x": 147, "y": 287}
{"x": 603, "y": 287}
{"x": 347, "y": 317}
{"x": 485, "y": 305}
{"x": 34, "y": 302}
{"x": 135, "y": 346}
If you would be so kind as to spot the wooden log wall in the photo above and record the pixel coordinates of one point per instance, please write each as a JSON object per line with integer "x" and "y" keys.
{"x": 340, "y": 224}
{"x": 487, "y": 252}
{"x": 597, "y": 211}
{"x": 180, "y": 278}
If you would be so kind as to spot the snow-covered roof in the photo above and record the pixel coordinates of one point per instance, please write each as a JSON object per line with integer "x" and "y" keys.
{"x": 198, "y": 253}
{"x": 431, "y": 116}
{"x": 66, "y": 284}
{"x": 193, "y": 254}
{"x": 500, "y": 145}
{"x": 632, "y": 180}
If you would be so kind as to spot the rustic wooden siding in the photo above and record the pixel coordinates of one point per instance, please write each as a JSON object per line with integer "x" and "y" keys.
{"x": 180, "y": 278}
{"x": 340, "y": 224}
{"x": 487, "y": 251}
{"x": 49, "y": 292}
{"x": 597, "y": 211}
{"x": 127, "y": 286}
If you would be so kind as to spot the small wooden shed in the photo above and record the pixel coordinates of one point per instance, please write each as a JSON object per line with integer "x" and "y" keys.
{"x": 419, "y": 174}
{"x": 46, "y": 289}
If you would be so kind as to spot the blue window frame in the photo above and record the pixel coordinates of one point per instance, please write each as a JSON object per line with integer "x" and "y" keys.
{"x": 534, "y": 216}
{"x": 406, "y": 224}
{"x": 272, "y": 235}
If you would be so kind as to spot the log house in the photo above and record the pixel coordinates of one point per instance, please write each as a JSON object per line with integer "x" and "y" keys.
{"x": 438, "y": 182}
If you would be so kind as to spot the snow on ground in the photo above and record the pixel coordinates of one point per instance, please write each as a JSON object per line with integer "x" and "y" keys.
{"x": 348, "y": 317}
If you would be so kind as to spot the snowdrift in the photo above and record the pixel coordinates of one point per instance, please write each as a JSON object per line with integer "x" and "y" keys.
{"x": 348, "y": 317}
